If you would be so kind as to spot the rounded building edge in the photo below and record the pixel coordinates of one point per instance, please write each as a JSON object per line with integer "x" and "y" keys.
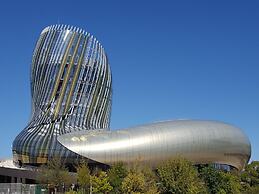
{"x": 201, "y": 142}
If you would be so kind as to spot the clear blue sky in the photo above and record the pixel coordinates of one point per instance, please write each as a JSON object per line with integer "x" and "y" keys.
{"x": 169, "y": 59}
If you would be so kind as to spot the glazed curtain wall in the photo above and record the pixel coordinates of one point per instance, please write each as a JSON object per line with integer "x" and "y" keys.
{"x": 71, "y": 91}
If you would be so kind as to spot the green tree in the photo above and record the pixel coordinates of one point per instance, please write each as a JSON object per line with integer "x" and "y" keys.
{"x": 140, "y": 179}
{"x": 218, "y": 181}
{"x": 212, "y": 179}
{"x": 250, "y": 178}
{"x": 150, "y": 180}
{"x": 230, "y": 183}
{"x": 55, "y": 175}
{"x": 252, "y": 190}
{"x": 116, "y": 175}
{"x": 251, "y": 174}
{"x": 134, "y": 182}
{"x": 84, "y": 177}
{"x": 179, "y": 176}
{"x": 100, "y": 183}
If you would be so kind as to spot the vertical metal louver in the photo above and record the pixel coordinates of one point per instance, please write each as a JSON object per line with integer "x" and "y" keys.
{"x": 71, "y": 89}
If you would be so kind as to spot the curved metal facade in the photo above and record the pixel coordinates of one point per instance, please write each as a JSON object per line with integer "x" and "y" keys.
{"x": 71, "y": 91}
{"x": 199, "y": 141}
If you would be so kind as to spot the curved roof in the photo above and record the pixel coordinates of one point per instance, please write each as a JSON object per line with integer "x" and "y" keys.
{"x": 198, "y": 141}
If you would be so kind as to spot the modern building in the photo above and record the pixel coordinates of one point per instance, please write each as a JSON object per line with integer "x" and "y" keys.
{"x": 71, "y": 91}
{"x": 71, "y": 88}
{"x": 201, "y": 142}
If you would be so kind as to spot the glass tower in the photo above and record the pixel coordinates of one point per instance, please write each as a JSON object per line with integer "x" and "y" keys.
{"x": 71, "y": 88}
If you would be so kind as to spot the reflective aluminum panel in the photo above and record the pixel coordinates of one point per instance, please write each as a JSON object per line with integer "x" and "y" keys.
{"x": 199, "y": 141}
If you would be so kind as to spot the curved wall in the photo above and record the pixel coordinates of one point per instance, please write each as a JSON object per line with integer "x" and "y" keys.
{"x": 71, "y": 87}
{"x": 71, "y": 91}
{"x": 201, "y": 142}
